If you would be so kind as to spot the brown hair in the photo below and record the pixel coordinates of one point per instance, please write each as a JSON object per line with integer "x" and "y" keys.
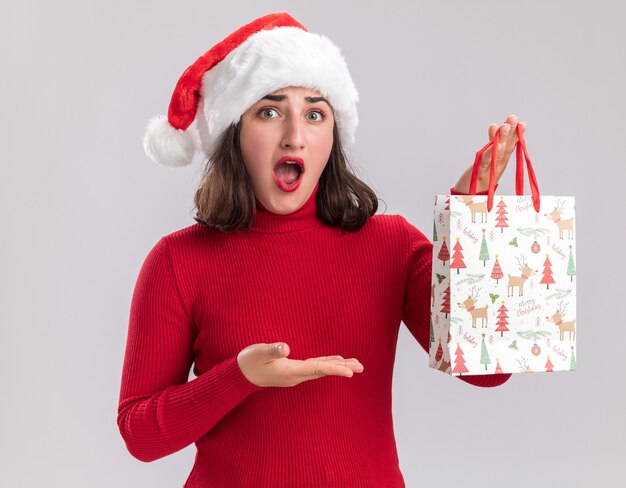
{"x": 225, "y": 199}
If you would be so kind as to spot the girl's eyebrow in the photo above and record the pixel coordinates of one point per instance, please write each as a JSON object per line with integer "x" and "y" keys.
{"x": 280, "y": 98}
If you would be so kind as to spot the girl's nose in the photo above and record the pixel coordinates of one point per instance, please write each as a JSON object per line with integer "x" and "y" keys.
{"x": 294, "y": 133}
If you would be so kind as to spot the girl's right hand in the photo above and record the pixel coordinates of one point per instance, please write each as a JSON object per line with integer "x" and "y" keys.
{"x": 267, "y": 365}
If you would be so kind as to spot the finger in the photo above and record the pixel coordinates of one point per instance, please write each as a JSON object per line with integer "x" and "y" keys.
{"x": 505, "y": 144}
{"x": 277, "y": 350}
{"x": 324, "y": 358}
{"x": 352, "y": 363}
{"x": 492, "y": 131}
{"x": 317, "y": 369}
{"x": 312, "y": 368}
{"x": 486, "y": 160}
{"x": 512, "y": 120}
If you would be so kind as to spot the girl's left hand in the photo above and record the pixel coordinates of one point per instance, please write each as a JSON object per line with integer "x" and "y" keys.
{"x": 506, "y": 145}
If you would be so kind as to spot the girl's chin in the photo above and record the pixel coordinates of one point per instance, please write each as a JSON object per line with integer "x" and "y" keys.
{"x": 283, "y": 203}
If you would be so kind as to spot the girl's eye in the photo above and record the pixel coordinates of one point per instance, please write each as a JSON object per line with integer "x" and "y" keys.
{"x": 266, "y": 110}
{"x": 322, "y": 114}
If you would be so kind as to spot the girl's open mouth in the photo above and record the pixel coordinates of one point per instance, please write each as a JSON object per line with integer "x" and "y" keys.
{"x": 288, "y": 175}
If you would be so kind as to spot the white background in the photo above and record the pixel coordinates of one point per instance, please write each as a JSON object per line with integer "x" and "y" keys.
{"x": 80, "y": 206}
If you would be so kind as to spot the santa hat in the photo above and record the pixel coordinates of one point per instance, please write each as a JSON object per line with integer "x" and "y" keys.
{"x": 269, "y": 53}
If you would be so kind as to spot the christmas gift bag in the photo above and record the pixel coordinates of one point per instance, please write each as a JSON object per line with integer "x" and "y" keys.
{"x": 503, "y": 294}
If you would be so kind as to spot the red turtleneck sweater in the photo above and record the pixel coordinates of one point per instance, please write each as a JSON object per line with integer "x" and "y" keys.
{"x": 203, "y": 295}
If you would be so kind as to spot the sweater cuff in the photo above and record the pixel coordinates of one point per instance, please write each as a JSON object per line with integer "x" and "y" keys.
{"x": 485, "y": 192}
{"x": 239, "y": 380}
{"x": 223, "y": 387}
{"x": 486, "y": 380}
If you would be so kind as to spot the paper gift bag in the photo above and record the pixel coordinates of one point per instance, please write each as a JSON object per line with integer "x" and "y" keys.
{"x": 503, "y": 296}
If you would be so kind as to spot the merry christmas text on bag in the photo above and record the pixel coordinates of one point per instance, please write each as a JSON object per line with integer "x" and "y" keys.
{"x": 503, "y": 291}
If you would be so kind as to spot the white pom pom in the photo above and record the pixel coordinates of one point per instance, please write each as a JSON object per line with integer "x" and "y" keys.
{"x": 166, "y": 145}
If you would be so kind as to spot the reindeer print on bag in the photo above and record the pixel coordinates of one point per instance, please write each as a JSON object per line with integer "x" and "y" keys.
{"x": 475, "y": 207}
{"x": 518, "y": 281}
{"x": 555, "y": 216}
{"x": 476, "y": 313}
{"x": 557, "y": 319}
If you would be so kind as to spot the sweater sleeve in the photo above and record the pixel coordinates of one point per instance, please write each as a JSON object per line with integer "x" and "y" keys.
{"x": 416, "y": 306}
{"x": 160, "y": 411}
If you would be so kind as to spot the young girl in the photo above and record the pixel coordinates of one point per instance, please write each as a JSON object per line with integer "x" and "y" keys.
{"x": 287, "y": 285}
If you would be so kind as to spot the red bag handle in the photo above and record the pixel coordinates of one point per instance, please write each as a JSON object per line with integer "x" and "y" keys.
{"x": 520, "y": 147}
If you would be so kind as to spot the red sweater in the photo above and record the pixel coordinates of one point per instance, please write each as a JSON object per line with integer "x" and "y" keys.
{"x": 203, "y": 295}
